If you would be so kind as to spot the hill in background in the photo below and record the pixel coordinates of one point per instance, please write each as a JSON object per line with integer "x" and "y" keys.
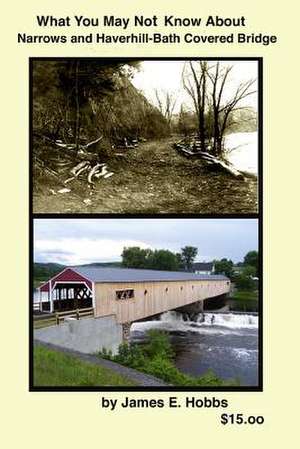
{"x": 44, "y": 271}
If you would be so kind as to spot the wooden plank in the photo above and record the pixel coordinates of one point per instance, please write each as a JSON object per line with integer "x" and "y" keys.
{"x": 157, "y": 299}
{"x": 74, "y": 311}
{"x": 86, "y": 314}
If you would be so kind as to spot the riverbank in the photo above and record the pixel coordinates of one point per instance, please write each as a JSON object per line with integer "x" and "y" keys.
{"x": 215, "y": 350}
{"x": 244, "y": 301}
{"x": 155, "y": 356}
{"x": 226, "y": 343}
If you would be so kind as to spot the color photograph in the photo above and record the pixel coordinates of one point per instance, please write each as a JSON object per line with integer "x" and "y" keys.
{"x": 146, "y": 303}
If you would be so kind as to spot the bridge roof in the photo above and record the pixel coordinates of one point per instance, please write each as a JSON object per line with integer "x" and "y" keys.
{"x": 107, "y": 274}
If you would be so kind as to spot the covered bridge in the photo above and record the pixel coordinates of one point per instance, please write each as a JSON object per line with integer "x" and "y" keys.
{"x": 128, "y": 294}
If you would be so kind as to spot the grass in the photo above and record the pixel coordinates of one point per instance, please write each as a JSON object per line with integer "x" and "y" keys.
{"x": 245, "y": 295}
{"x": 53, "y": 368}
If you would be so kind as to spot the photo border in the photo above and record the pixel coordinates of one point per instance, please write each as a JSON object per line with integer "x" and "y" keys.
{"x": 58, "y": 216}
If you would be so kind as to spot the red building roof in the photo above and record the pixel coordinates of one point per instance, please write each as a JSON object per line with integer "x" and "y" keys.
{"x": 68, "y": 275}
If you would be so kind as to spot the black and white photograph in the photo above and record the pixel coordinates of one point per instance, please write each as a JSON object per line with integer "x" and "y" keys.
{"x": 145, "y": 136}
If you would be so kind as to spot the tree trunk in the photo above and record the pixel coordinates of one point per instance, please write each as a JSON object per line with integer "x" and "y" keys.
{"x": 77, "y": 124}
{"x": 202, "y": 138}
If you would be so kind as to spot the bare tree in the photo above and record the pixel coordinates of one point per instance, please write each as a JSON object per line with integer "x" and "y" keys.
{"x": 195, "y": 83}
{"x": 166, "y": 102}
{"x": 77, "y": 123}
{"x": 223, "y": 109}
{"x": 206, "y": 85}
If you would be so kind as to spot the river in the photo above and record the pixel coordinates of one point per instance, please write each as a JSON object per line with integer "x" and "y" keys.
{"x": 225, "y": 342}
{"x": 242, "y": 151}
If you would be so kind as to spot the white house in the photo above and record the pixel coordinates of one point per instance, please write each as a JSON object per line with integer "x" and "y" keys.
{"x": 204, "y": 268}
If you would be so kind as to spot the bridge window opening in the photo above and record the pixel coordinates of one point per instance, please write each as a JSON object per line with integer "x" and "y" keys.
{"x": 181, "y": 288}
{"x": 145, "y": 292}
{"x": 167, "y": 289}
{"x": 71, "y": 296}
{"x": 125, "y": 294}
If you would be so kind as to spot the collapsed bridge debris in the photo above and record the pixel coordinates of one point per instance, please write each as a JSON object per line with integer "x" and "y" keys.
{"x": 191, "y": 147}
{"x": 97, "y": 171}
{"x": 63, "y": 156}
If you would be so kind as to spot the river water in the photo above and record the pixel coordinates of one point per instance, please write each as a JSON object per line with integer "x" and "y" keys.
{"x": 242, "y": 151}
{"x": 225, "y": 342}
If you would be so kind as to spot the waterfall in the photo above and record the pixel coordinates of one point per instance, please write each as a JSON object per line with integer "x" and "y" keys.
{"x": 171, "y": 316}
{"x": 205, "y": 322}
{"x": 231, "y": 320}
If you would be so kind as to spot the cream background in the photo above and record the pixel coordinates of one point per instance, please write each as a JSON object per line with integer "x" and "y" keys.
{"x": 75, "y": 420}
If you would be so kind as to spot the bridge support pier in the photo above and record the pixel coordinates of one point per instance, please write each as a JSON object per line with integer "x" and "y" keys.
{"x": 217, "y": 302}
{"x": 126, "y": 331}
{"x": 192, "y": 310}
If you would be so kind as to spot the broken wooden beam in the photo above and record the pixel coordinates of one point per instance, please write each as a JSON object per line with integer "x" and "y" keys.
{"x": 184, "y": 146}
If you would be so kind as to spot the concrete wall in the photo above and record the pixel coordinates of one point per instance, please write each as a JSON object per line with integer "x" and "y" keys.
{"x": 152, "y": 298}
{"x": 87, "y": 335}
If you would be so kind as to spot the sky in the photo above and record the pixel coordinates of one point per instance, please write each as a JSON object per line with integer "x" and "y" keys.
{"x": 80, "y": 241}
{"x": 167, "y": 75}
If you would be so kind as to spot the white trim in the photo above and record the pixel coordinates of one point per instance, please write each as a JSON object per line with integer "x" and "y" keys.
{"x": 71, "y": 282}
{"x": 51, "y": 298}
{"x": 93, "y": 296}
{"x": 41, "y": 303}
{"x": 50, "y": 280}
{"x": 61, "y": 272}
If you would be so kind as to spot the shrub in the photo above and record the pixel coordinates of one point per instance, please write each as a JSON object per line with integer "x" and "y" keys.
{"x": 156, "y": 357}
{"x": 158, "y": 345}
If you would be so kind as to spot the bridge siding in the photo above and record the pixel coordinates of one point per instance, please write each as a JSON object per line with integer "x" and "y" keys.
{"x": 157, "y": 300}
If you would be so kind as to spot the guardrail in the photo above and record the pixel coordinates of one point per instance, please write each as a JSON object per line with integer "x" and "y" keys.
{"x": 51, "y": 319}
{"x": 78, "y": 313}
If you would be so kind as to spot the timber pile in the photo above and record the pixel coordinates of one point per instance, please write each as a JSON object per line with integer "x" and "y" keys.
{"x": 191, "y": 147}
{"x": 128, "y": 143}
{"x": 60, "y": 163}
{"x": 97, "y": 171}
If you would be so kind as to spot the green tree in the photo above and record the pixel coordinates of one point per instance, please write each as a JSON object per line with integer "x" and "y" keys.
{"x": 224, "y": 266}
{"x": 163, "y": 259}
{"x": 135, "y": 257}
{"x": 188, "y": 255}
{"x": 251, "y": 259}
{"x": 244, "y": 280}
{"x": 180, "y": 261}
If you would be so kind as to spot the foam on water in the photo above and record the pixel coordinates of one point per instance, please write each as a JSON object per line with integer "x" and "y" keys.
{"x": 232, "y": 320}
{"x": 208, "y": 323}
{"x": 242, "y": 353}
